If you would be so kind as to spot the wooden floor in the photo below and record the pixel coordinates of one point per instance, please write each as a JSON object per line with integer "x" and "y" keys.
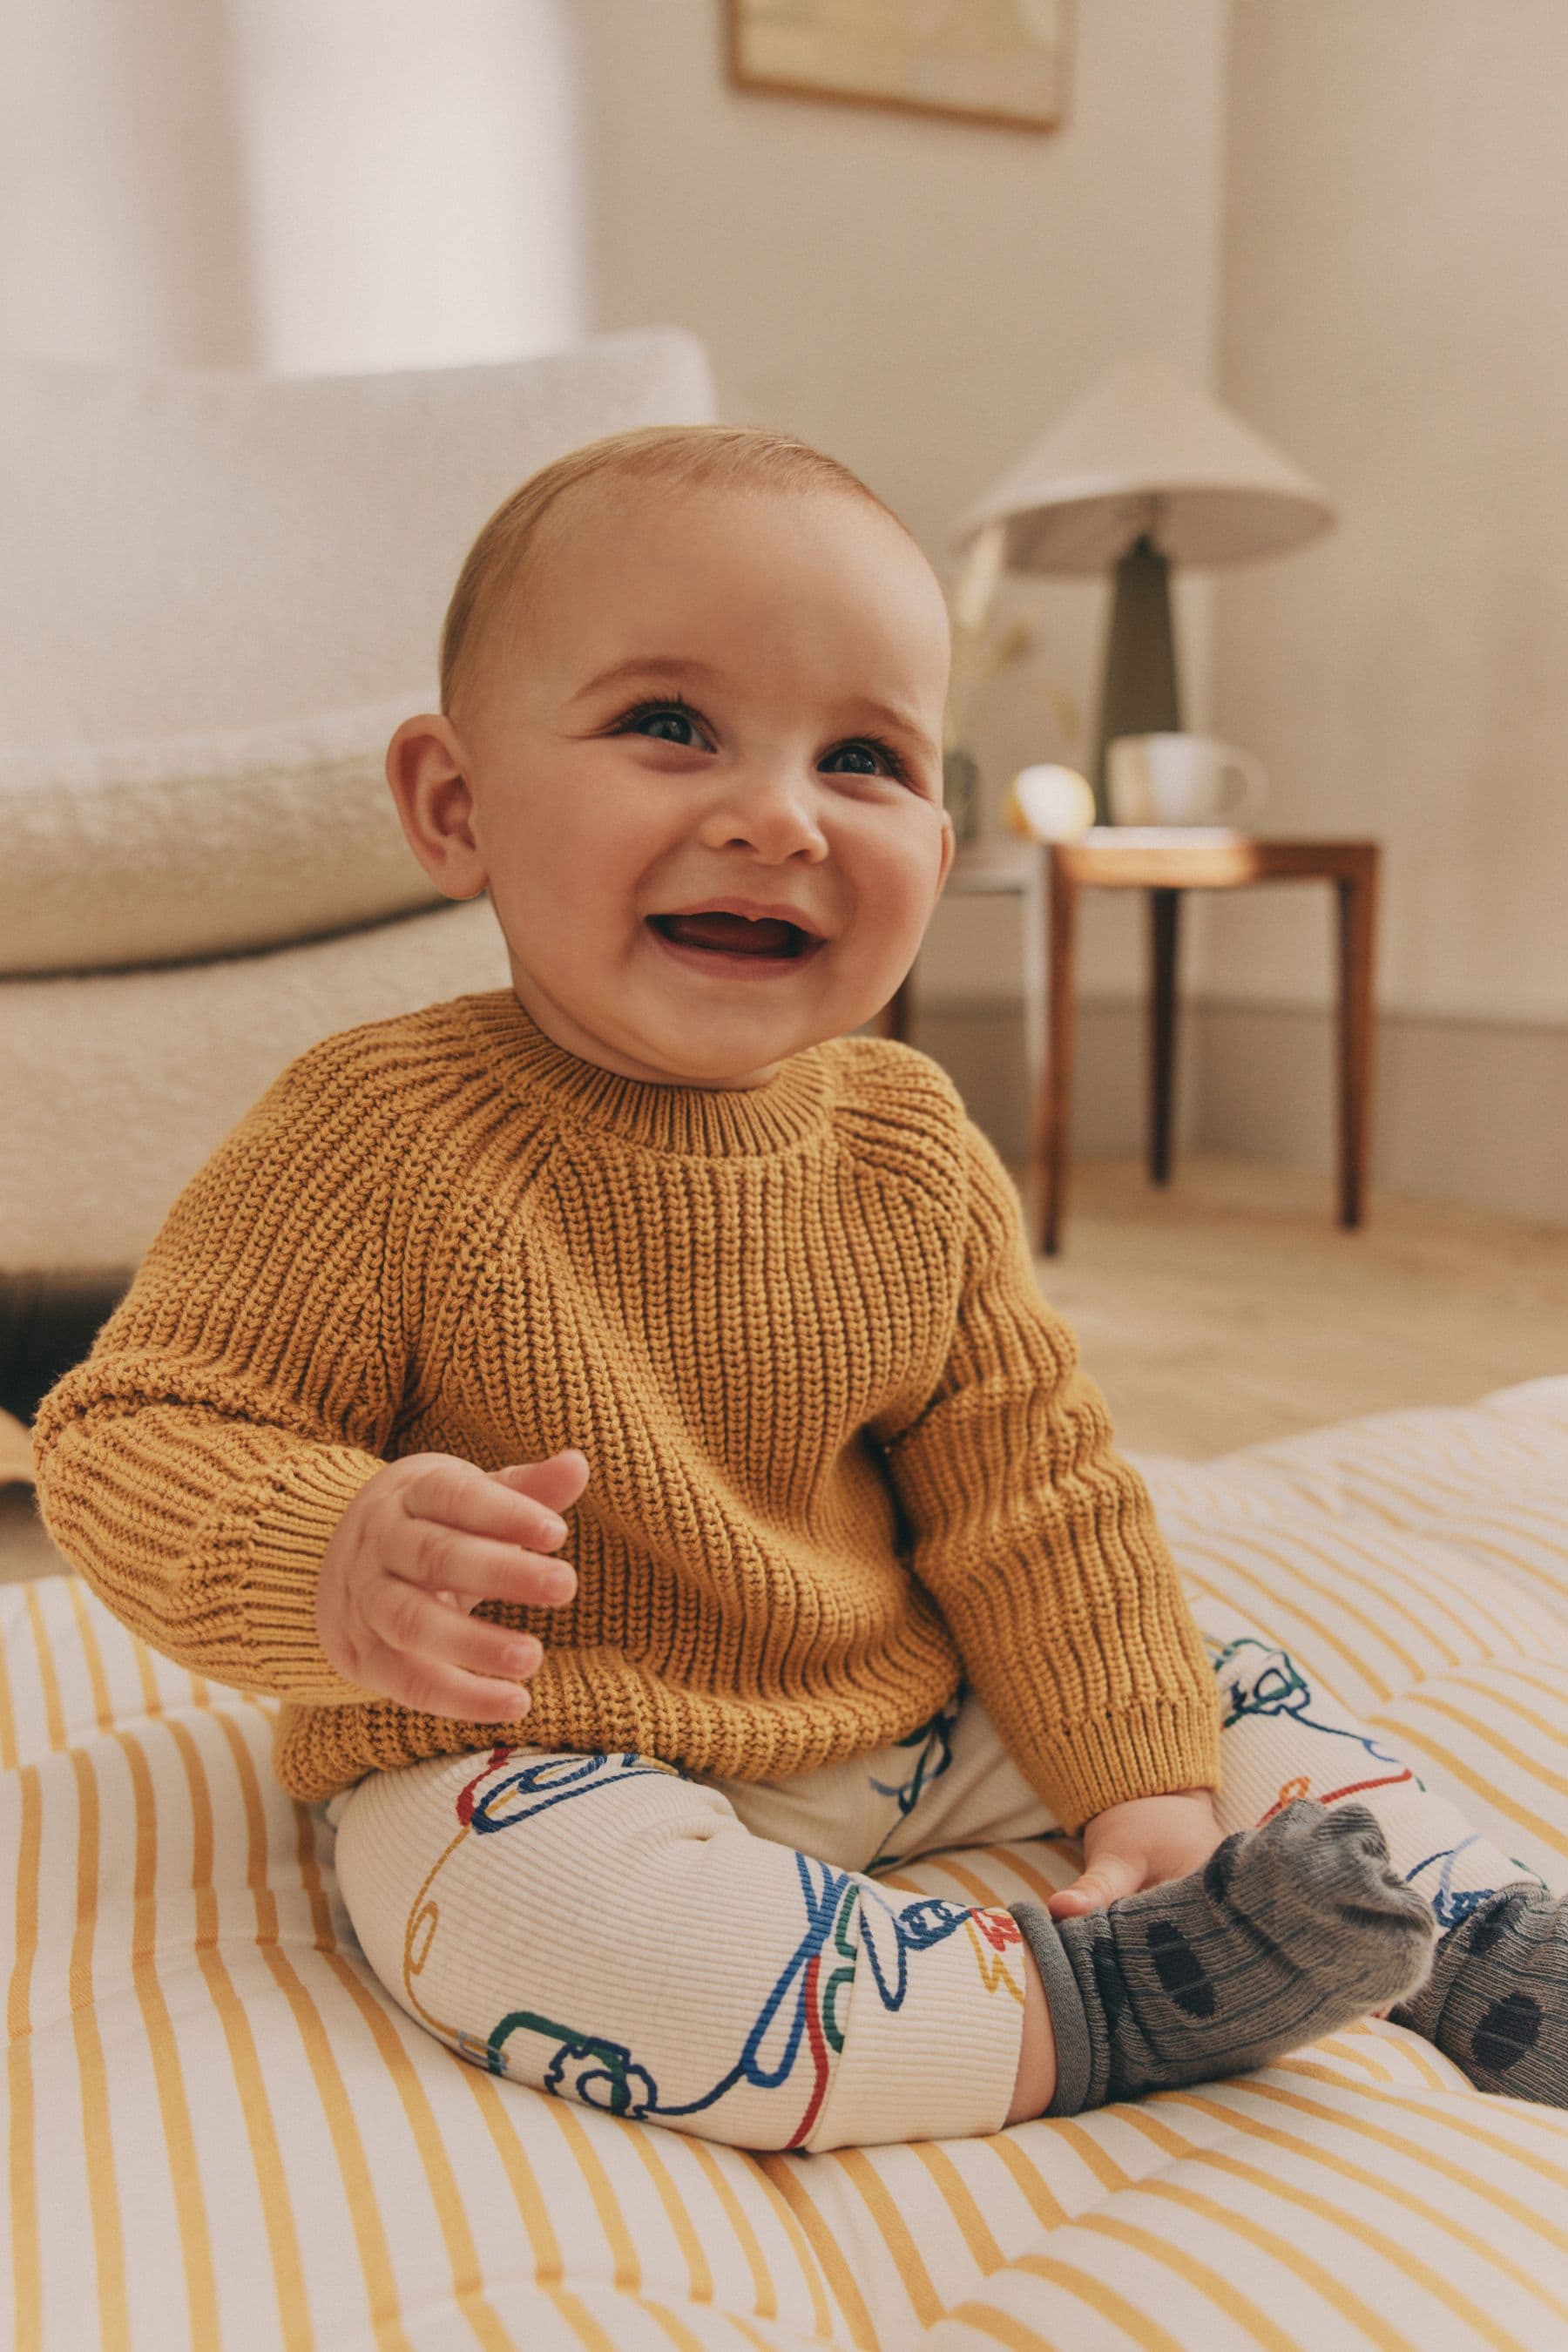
{"x": 1227, "y": 1309}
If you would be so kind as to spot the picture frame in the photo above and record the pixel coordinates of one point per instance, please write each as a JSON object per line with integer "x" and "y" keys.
{"x": 1004, "y": 63}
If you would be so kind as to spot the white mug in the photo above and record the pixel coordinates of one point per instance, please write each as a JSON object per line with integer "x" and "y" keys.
{"x": 1181, "y": 779}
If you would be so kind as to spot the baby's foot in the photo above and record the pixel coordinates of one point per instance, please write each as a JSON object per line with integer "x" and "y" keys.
{"x": 1287, "y": 1933}
{"x": 1497, "y": 1999}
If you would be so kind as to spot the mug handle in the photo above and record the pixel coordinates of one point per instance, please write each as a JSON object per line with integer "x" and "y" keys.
{"x": 1253, "y": 778}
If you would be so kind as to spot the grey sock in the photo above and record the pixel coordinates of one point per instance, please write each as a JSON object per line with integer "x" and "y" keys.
{"x": 1497, "y": 1999}
{"x": 1287, "y": 1932}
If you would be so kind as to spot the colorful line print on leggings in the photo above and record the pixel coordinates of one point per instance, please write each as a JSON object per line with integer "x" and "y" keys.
{"x": 933, "y": 1740}
{"x": 1258, "y": 1682}
{"x": 800, "y": 2019}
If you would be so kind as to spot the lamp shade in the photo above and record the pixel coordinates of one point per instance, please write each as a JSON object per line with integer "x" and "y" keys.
{"x": 1147, "y": 450}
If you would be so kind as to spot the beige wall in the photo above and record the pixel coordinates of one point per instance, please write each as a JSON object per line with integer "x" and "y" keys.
{"x": 122, "y": 222}
{"x": 1395, "y": 312}
{"x": 922, "y": 298}
{"x": 413, "y": 174}
{"x": 303, "y": 186}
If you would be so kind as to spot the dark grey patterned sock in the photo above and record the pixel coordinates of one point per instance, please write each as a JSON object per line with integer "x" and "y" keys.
{"x": 1497, "y": 1999}
{"x": 1287, "y": 1932}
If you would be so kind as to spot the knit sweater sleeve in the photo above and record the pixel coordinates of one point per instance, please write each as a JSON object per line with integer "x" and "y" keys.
{"x": 194, "y": 1465}
{"x": 1039, "y": 1542}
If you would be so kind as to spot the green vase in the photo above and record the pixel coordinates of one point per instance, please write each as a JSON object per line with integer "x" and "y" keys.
{"x": 960, "y": 793}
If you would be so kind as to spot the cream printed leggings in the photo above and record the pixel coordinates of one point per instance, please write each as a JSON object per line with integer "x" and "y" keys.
{"x": 727, "y": 1957}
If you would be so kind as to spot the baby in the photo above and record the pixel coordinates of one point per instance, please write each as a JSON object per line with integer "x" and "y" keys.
{"x": 653, "y": 1236}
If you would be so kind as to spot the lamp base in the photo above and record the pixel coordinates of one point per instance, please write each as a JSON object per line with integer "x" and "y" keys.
{"x": 1140, "y": 696}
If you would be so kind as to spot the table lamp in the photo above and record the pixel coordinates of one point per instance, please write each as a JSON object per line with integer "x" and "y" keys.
{"x": 1146, "y": 471}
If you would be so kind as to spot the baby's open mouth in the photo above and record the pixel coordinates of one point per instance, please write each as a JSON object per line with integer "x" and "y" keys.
{"x": 721, "y": 935}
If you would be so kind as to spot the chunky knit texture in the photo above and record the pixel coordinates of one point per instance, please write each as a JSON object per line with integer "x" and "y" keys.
{"x": 840, "y": 1450}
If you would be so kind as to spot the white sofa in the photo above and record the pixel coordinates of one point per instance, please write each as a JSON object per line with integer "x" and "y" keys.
{"x": 218, "y": 592}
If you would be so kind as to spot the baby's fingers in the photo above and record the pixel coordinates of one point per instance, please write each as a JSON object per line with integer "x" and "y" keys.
{"x": 470, "y": 1569}
{"x": 438, "y": 1659}
{"x": 1111, "y": 1877}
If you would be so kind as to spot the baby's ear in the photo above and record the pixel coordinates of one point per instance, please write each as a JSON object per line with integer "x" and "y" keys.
{"x": 424, "y": 748}
{"x": 428, "y": 770}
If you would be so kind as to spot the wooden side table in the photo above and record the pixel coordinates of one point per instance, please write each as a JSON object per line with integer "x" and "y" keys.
{"x": 1165, "y": 861}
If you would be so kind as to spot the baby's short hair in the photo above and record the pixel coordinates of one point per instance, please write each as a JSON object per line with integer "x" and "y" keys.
{"x": 733, "y": 456}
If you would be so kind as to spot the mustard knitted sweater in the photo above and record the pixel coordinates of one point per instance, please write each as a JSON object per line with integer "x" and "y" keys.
{"x": 840, "y": 1452}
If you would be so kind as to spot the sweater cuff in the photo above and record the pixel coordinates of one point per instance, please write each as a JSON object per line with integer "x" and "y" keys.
{"x": 308, "y": 1495}
{"x": 1149, "y": 1751}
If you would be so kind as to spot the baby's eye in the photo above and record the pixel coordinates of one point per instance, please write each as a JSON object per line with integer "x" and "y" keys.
{"x": 648, "y": 713}
{"x": 871, "y": 747}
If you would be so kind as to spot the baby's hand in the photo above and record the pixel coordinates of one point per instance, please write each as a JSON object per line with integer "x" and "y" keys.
{"x": 425, "y": 1541}
{"x": 1139, "y": 1844}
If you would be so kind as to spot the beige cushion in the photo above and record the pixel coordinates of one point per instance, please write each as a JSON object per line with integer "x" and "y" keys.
{"x": 195, "y": 548}
{"x": 115, "y": 1085}
{"x": 196, "y": 566}
{"x": 203, "y": 845}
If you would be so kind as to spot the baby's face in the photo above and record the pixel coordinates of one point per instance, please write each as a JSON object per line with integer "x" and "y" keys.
{"x": 808, "y": 643}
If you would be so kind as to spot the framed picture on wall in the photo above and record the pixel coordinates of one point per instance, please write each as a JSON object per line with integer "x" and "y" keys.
{"x": 998, "y": 62}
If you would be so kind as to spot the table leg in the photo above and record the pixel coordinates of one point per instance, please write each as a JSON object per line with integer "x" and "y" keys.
{"x": 1164, "y": 907}
{"x": 1357, "y": 918}
{"x": 1053, "y": 1102}
{"x": 895, "y": 1017}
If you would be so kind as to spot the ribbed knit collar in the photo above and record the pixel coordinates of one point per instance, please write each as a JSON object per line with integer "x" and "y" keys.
{"x": 700, "y": 1121}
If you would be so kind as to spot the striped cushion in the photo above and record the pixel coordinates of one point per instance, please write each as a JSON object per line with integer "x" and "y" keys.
{"x": 222, "y": 2133}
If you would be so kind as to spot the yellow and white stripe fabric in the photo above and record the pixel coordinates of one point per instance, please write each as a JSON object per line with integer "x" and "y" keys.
{"x": 222, "y": 2133}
